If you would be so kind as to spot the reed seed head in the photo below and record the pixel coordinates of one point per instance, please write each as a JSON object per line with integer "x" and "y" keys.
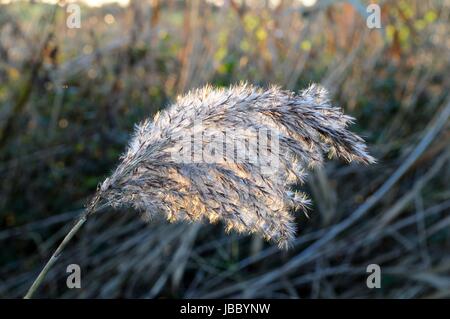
{"x": 232, "y": 155}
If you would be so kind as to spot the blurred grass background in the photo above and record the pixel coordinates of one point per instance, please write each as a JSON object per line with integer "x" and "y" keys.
{"x": 69, "y": 99}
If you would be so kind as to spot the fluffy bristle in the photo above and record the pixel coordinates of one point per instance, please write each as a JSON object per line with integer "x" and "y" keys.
{"x": 231, "y": 155}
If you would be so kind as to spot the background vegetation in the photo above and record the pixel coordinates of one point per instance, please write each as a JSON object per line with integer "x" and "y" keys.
{"x": 69, "y": 99}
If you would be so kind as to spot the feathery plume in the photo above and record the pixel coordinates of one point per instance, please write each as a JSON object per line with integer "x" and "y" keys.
{"x": 231, "y": 155}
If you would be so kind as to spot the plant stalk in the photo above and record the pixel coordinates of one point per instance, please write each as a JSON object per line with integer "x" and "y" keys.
{"x": 80, "y": 222}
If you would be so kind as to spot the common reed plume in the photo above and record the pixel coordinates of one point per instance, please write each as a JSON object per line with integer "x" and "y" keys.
{"x": 229, "y": 155}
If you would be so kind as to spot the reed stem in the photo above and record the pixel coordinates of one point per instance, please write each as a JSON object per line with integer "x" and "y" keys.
{"x": 80, "y": 222}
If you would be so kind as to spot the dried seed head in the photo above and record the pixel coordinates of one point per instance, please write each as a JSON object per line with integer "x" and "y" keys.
{"x": 231, "y": 155}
